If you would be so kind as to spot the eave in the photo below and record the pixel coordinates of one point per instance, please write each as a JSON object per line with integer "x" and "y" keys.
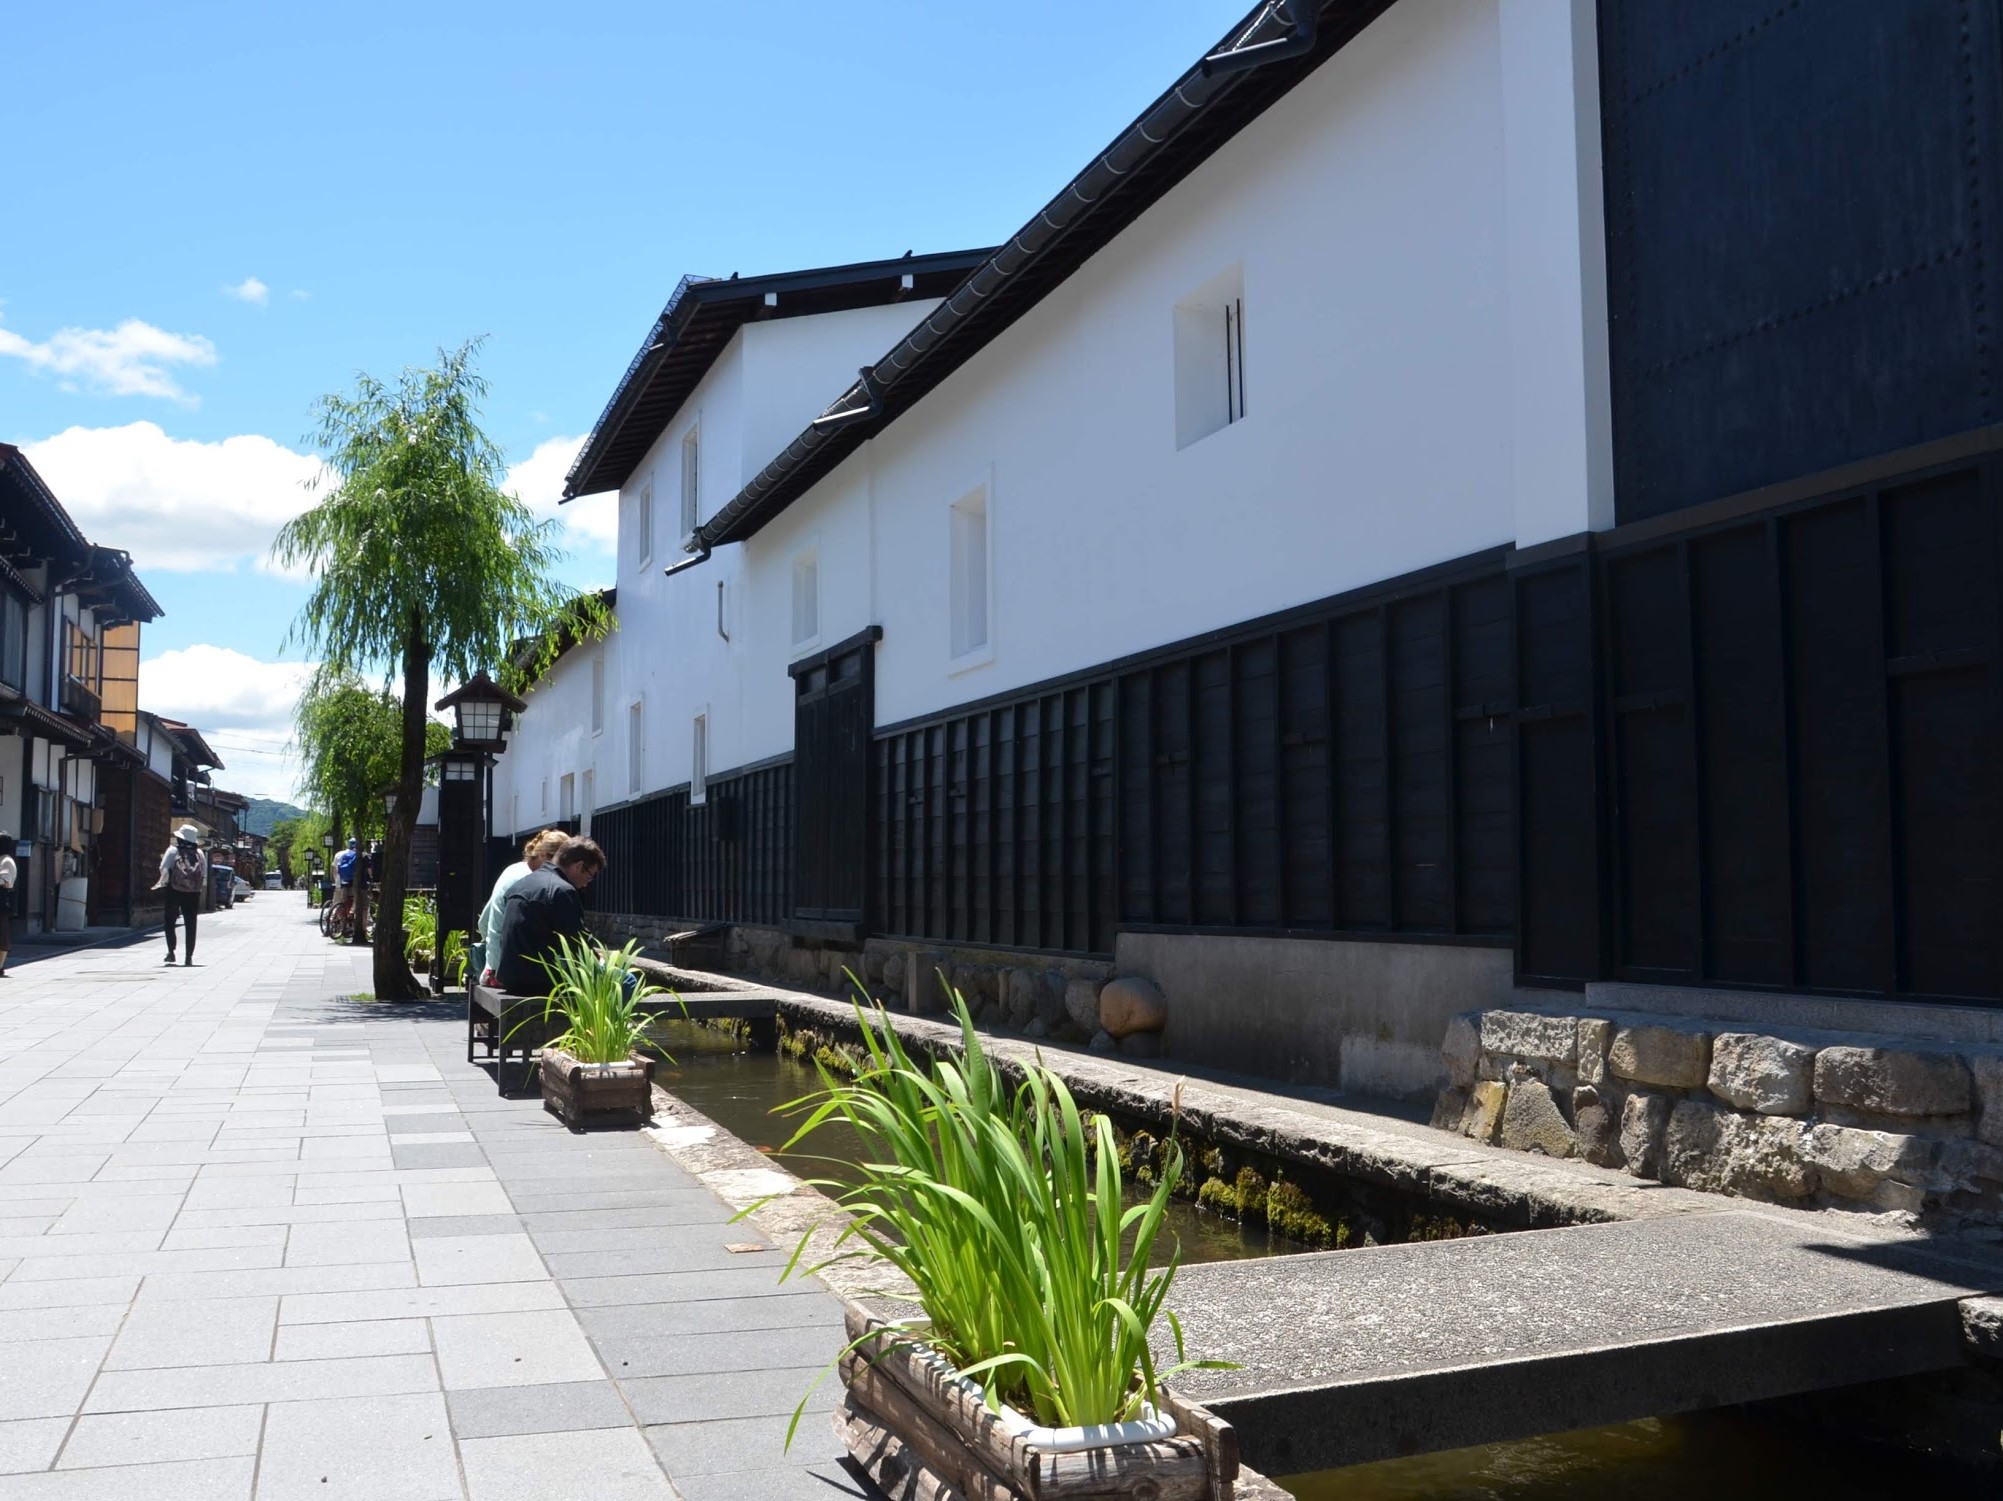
{"x": 1256, "y": 64}
{"x": 702, "y": 317}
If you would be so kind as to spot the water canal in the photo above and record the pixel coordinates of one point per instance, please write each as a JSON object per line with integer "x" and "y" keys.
{"x": 1722, "y": 1455}
{"x": 741, "y": 1090}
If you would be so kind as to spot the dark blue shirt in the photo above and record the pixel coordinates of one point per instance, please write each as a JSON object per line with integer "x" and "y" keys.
{"x": 541, "y": 908}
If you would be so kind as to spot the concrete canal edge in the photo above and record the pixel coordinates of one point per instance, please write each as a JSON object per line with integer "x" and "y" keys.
{"x": 1503, "y": 1189}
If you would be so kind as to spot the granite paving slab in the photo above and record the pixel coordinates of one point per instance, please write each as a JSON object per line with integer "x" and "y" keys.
{"x": 254, "y": 1234}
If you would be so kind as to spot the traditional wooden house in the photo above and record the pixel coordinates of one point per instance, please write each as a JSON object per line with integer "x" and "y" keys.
{"x": 1459, "y": 498}
{"x": 70, "y": 617}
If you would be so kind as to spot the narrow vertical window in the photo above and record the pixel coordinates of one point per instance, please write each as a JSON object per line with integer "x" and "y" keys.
{"x": 567, "y": 796}
{"x": 691, "y": 482}
{"x": 598, "y": 694}
{"x": 969, "y": 572}
{"x": 542, "y": 796}
{"x": 636, "y": 747}
{"x": 590, "y": 801}
{"x": 806, "y": 598}
{"x": 1210, "y": 358}
{"x": 643, "y": 526}
{"x": 699, "y": 761}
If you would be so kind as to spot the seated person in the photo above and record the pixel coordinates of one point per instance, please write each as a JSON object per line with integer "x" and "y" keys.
{"x": 544, "y": 906}
{"x": 535, "y": 854}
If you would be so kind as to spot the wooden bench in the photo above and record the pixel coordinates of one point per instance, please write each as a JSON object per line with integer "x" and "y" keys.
{"x": 508, "y": 1026}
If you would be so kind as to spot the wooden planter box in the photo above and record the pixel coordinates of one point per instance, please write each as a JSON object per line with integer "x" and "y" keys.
{"x": 584, "y": 1093}
{"x": 924, "y": 1437}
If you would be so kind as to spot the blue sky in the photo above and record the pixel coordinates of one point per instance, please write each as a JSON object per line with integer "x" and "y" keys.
{"x": 217, "y": 212}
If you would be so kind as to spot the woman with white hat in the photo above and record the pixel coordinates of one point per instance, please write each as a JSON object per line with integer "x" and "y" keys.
{"x": 184, "y": 869}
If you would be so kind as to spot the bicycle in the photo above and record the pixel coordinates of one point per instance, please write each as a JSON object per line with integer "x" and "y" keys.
{"x": 336, "y": 921}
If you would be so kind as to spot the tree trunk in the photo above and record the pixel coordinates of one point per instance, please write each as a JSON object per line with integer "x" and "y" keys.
{"x": 394, "y": 981}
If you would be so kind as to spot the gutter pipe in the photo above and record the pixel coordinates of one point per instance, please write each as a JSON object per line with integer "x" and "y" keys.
{"x": 1280, "y": 29}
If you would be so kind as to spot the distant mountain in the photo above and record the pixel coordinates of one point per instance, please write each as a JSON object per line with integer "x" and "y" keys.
{"x": 265, "y": 812}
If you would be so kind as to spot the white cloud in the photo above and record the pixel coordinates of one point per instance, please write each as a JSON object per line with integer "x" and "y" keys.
{"x": 243, "y": 707}
{"x": 300, "y": 296}
{"x": 129, "y": 360}
{"x": 589, "y": 524}
{"x": 250, "y": 289}
{"x": 175, "y": 504}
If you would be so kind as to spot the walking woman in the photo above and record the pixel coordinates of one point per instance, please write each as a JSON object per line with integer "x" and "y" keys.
{"x": 183, "y": 869}
{"x": 7, "y": 875}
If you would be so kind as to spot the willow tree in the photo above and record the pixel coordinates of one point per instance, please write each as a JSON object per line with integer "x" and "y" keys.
{"x": 422, "y": 565}
{"x": 349, "y": 740}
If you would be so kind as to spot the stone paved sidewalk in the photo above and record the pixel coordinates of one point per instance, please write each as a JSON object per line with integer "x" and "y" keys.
{"x": 258, "y": 1241}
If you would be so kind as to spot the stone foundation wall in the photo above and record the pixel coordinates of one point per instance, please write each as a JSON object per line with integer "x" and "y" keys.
{"x": 1847, "y": 1120}
{"x": 1032, "y": 995}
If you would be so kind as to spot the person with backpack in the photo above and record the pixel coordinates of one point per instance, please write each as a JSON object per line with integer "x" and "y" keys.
{"x": 184, "y": 871}
{"x": 344, "y": 880}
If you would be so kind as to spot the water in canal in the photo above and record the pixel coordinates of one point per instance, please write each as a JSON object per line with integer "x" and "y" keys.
{"x": 1726, "y": 1455}
{"x": 740, "y": 1089}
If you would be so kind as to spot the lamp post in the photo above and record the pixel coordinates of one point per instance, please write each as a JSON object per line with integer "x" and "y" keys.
{"x": 482, "y": 714}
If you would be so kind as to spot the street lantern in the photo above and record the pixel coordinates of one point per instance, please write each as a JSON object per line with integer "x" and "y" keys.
{"x": 326, "y": 841}
{"x": 482, "y": 713}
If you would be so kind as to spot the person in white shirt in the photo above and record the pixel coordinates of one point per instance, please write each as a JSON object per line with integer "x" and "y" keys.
{"x": 7, "y": 874}
{"x": 539, "y": 849}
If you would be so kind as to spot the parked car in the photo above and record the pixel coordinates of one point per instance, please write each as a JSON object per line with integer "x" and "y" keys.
{"x": 273, "y": 881}
{"x": 239, "y": 889}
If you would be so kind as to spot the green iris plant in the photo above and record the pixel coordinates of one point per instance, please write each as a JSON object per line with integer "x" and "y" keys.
{"x": 1002, "y": 1204}
{"x": 603, "y": 1019}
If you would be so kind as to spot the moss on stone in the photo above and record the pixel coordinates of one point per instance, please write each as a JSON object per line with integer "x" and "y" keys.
{"x": 1219, "y": 1197}
{"x": 1290, "y": 1212}
{"x": 1249, "y": 1193}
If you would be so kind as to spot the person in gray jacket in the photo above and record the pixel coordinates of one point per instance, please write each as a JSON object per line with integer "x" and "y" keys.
{"x": 183, "y": 870}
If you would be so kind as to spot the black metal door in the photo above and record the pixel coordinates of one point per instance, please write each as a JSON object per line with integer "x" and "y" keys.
{"x": 834, "y": 713}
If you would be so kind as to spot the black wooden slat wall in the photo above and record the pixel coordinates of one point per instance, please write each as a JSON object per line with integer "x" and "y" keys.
{"x": 727, "y": 859}
{"x": 1558, "y": 779}
{"x": 1210, "y": 786}
{"x": 1804, "y": 750}
{"x": 1801, "y": 210}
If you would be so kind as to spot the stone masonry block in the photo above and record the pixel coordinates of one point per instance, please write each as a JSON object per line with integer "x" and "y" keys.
{"x": 1766, "y": 1074}
{"x": 1853, "y": 1163}
{"x": 1893, "y": 1081}
{"x": 1597, "y": 1128}
{"x": 1987, "y": 1070}
{"x": 1644, "y": 1121}
{"x": 1460, "y": 1051}
{"x": 1596, "y": 1035}
{"x": 1532, "y": 1121}
{"x": 1722, "y": 1151}
{"x": 1449, "y": 1109}
{"x": 1527, "y": 1034}
{"x": 1666, "y": 1056}
{"x": 1484, "y": 1110}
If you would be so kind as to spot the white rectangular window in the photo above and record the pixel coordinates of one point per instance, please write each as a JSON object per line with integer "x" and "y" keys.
{"x": 691, "y": 481}
{"x": 636, "y": 747}
{"x": 699, "y": 762}
{"x": 643, "y": 526}
{"x": 1210, "y": 358}
{"x": 567, "y": 795}
{"x": 598, "y": 694}
{"x": 806, "y": 597}
{"x": 969, "y": 573}
{"x": 590, "y": 801}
